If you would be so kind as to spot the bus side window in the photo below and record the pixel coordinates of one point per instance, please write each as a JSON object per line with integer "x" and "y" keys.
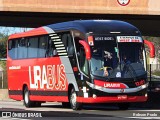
{"x": 51, "y": 52}
{"x": 43, "y": 44}
{"x": 65, "y": 40}
{"x": 70, "y": 46}
{"x": 33, "y": 47}
{"x": 83, "y": 61}
{"x": 22, "y": 48}
{"x": 10, "y": 45}
{"x": 13, "y": 44}
{"x": 68, "y": 43}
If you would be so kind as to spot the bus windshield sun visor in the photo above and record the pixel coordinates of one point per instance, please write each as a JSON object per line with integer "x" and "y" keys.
{"x": 86, "y": 48}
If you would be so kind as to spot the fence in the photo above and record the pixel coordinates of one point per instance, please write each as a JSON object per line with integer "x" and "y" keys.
{"x": 3, "y": 80}
{"x": 3, "y": 75}
{"x": 154, "y": 77}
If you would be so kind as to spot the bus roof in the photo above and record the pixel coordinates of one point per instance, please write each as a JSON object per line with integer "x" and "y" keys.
{"x": 85, "y": 26}
{"x": 34, "y": 32}
{"x": 97, "y": 26}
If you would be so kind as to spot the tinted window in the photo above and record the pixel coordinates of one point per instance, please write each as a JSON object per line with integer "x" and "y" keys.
{"x": 13, "y": 49}
{"x": 22, "y": 48}
{"x": 68, "y": 43}
{"x": 43, "y": 43}
{"x": 83, "y": 61}
{"x": 51, "y": 51}
{"x": 33, "y": 47}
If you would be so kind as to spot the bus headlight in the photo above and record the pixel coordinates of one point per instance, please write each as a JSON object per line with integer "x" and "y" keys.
{"x": 94, "y": 96}
{"x": 146, "y": 95}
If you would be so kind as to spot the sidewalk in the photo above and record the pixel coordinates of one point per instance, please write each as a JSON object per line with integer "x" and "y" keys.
{"x": 4, "y": 94}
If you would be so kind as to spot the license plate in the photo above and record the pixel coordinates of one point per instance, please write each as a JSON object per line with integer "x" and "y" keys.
{"x": 122, "y": 97}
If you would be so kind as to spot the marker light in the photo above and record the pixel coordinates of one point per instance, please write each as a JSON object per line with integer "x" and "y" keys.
{"x": 90, "y": 40}
{"x": 94, "y": 96}
{"x": 146, "y": 95}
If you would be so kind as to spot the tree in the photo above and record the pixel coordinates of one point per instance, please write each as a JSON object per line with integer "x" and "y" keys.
{"x": 3, "y": 45}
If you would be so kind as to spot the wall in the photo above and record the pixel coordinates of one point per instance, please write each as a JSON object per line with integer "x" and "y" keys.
{"x": 82, "y": 6}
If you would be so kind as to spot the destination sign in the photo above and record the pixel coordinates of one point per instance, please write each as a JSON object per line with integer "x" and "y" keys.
{"x": 129, "y": 39}
{"x": 103, "y": 38}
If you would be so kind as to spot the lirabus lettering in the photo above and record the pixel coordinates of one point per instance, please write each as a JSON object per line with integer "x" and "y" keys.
{"x": 47, "y": 77}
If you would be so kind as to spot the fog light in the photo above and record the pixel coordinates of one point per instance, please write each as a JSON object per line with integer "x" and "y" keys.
{"x": 146, "y": 95}
{"x": 157, "y": 89}
{"x": 94, "y": 96}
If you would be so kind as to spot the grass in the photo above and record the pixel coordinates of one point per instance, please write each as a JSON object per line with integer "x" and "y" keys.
{"x": 156, "y": 73}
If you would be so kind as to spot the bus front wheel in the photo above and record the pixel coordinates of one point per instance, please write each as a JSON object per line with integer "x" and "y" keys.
{"x": 73, "y": 100}
{"x": 27, "y": 102}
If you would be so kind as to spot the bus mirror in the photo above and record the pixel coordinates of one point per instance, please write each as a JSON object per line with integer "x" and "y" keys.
{"x": 151, "y": 47}
{"x": 86, "y": 48}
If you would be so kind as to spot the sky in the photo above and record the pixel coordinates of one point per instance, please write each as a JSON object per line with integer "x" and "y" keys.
{"x": 12, "y": 30}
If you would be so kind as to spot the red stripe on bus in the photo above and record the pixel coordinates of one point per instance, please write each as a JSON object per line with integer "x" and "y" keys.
{"x": 50, "y": 98}
{"x": 113, "y": 85}
{"x": 16, "y": 97}
{"x": 111, "y": 99}
{"x": 34, "y": 32}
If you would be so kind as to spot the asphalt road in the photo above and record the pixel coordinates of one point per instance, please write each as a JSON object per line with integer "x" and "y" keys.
{"x": 53, "y": 111}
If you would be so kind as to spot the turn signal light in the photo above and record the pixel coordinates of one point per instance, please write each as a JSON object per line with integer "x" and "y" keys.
{"x": 90, "y": 40}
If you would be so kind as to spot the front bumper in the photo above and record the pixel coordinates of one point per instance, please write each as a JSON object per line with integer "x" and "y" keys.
{"x": 113, "y": 99}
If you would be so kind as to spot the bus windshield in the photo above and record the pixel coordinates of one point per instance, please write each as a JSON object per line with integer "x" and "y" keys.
{"x": 131, "y": 52}
{"x": 115, "y": 59}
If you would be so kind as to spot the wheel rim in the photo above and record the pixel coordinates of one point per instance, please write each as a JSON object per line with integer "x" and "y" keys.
{"x": 26, "y": 98}
{"x": 73, "y": 98}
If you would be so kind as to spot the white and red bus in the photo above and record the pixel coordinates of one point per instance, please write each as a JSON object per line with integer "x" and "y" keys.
{"x": 76, "y": 62}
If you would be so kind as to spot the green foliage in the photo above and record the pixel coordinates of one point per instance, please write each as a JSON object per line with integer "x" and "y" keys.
{"x": 3, "y": 64}
{"x": 3, "y": 54}
{"x": 156, "y": 42}
{"x": 3, "y": 45}
{"x": 156, "y": 73}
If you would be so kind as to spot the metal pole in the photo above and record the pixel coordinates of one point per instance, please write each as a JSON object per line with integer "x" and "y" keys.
{"x": 2, "y": 80}
{"x": 150, "y": 78}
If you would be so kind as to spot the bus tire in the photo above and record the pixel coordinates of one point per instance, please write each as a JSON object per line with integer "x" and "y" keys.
{"x": 123, "y": 106}
{"x": 73, "y": 100}
{"x": 27, "y": 102}
{"x": 66, "y": 105}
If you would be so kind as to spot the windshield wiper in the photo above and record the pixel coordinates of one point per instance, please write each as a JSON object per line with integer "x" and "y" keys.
{"x": 133, "y": 71}
{"x": 130, "y": 69}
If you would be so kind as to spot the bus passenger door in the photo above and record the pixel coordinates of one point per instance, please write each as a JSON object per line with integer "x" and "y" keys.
{"x": 83, "y": 61}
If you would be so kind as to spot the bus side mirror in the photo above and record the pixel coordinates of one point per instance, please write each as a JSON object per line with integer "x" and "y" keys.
{"x": 151, "y": 47}
{"x": 86, "y": 48}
